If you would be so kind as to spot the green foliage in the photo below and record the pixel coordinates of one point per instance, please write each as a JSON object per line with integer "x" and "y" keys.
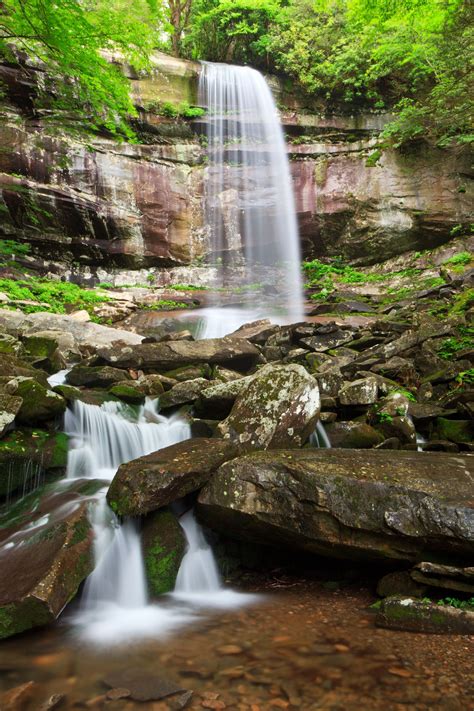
{"x": 462, "y": 258}
{"x": 166, "y": 305}
{"x": 11, "y": 248}
{"x": 232, "y": 30}
{"x": 170, "y": 110}
{"x": 456, "y": 602}
{"x": 56, "y": 294}
{"x": 450, "y": 346}
{"x": 466, "y": 377}
{"x": 72, "y": 38}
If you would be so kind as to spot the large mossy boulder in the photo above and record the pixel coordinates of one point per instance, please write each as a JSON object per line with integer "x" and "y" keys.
{"x": 39, "y": 404}
{"x": 148, "y": 483}
{"x": 278, "y": 408}
{"x": 218, "y": 399}
{"x": 164, "y": 545}
{"x": 354, "y": 504}
{"x": 45, "y": 553}
{"x": 235, "y": 353}
{"x": 407, "y": 613}
{"x": 351, "y": 434}
{"x": 182, "y": 393}
{"x": 27, "y": 454}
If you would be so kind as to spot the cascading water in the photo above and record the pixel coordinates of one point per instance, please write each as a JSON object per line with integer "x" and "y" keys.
{"x": 114, "y": 604}
{"x": 319, "y": 437}
{"x": 249, "y": 205}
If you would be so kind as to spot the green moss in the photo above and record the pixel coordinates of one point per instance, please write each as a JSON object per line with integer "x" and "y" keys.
{"x": 373, "y": 159}
{"x": 162, "y": 569}
{"x": 455, "y": 430}
{"x": 19, "y": 616}
{"x": 127, "y": 393}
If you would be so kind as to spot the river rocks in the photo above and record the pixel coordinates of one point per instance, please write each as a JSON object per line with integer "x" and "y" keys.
{"x": 405, "y": 613}
{"x": 182, "y": 393}
{"x": 359, "y": 392}
{"x": 45, "y": 553}
{"x": 164, "y": 545}
{"x": 39, "y": 404}
{"x": 277, "y": 408}
{"x": 9, "y": 408}
{"x": 29, "y": 454}
{"x": 129, "y": 391}
{"x": 162, "y": 357}
{"x": 217, "y": 400}
{"x": 88, "y": 337}
{"x": 158, "y": 479}
{"x": 347, "y": 503}
{"x": 353, "y": 435}
{"x": 98, "y": 377}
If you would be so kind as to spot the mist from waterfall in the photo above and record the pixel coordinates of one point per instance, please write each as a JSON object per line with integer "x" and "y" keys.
{"x": 249, "y": 205}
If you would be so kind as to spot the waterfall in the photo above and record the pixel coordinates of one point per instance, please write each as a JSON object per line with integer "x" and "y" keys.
{"x": 319, "y": 437}
{"x": 249, "y": 205}
{"x": 114, "y": 604}
{"x": 198, "y": 571}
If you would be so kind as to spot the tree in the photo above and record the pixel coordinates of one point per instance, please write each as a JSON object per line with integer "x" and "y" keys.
{"x": 74, "y": 41}
{"x": 180, "y": 13}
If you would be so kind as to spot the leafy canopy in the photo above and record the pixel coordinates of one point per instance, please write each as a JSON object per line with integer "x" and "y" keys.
{"x": 75, "y": 41}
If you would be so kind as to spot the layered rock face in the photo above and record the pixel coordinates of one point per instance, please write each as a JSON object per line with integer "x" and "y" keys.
{"x": 95, "y": 202}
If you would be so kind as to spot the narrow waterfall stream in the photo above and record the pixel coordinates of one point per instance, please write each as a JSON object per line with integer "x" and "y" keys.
{"x": 249, "y": 204}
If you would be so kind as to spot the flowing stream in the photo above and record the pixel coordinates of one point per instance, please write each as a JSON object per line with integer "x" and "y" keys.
{"x": 249, "y": 204}
{"x": 115, "y": 607}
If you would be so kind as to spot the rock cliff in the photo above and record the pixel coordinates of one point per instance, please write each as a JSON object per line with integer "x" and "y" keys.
{"x": 87, "y": 203}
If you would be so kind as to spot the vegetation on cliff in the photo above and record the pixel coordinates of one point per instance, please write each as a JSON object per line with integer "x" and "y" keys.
{"x": 411, "y": 57}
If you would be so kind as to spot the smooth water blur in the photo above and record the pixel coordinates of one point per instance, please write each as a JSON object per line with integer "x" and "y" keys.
{"x": 249, "y": 205}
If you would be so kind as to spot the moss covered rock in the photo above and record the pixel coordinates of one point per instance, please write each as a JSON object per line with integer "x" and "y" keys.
{"x": 364, "y": 504}
{"x": 156, "y": 480}
{"x": 277, "y": 408}
{"x": 164, "y": 546}
{"x": 39, "y": 403}
{"x": 128, "y": 391}
{"x": 26, "y": 454}
{"x": 9, "y": 408}
{"x": 182, "y": 393}
{"x": 50, "y": 556}
{"x": 96, "y": 377}
{"x": 459, "y": 431}
{"x": 10, "y": 345}
{"x": 353, "y": 435}
{"x": 406, "y": 613}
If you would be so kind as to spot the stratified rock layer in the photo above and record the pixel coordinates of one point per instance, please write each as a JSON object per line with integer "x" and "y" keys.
{"x": 347, "y": 503}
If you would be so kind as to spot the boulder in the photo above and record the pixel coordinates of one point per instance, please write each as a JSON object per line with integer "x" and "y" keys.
{"x": 164, "y": 545}
{"x": 158, "y": 479}
{"x": 129, "y": 391}
{"x": 459, "y": 431}
{"x": 400, "y": 583}
{"x": 189, "y": 372}
{"x": 45, "y": 553}
{"x": 39, "y": 404}
{"x": 9, "y": 408}
{"x": 230, "y": 352}
{"x": 359, "y": 392}
{"x": 96, "y": 377}
{"x": 10, "y": 345}
{"x": 406, "y": 613}
{"x": 354, "y": 504}
{"x": 447, "y": 577}
{"x": 182, "y": 393}
{"x": 217, "y": 400}
{"x": 11, "y": 366}
{"x": 26, "y": 454}
{"x": 277, "y": 408}
{"x": 351, "y": 434}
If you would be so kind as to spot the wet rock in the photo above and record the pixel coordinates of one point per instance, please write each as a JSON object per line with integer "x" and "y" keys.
{"x": 257, "y": 331}
{"x": 39, "y": 404}
{"x": 9, "y": 408}
{"x": 217, "y": 400}
{"x": 277, "y": 408}
{"x": 360, "y": 392}
{"x": 21, "y": 450}
{"x": 405, "y": 613}
{"x": 51, "y": 349}
{"x": 143, "y": 685}
{"x": 45, "y": 553}
{"x": 189, "y": 372}
{"x": 155, "y": 385}
{"x": 346, "y": 503}
{"x": 54, "y": 702}
{"x": 129, "y": 391}
{"x": 400, "y": 583}
{"x": 458, "y": 431}
{"x": 353, "y": 435}
{"x": 158, "y": 479}
{"x": 329, "y": 383}
{"x": 13, "y": 367}
{"x": 396, "y": 368}
{"x": 10, "y": 345}
{"x": 179, "y": 394}
{"x": 96, "y": 377}
{"x": 449, "y": 577}
{"x": 164, "y": 545}
{"x": 229, "y": 352}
